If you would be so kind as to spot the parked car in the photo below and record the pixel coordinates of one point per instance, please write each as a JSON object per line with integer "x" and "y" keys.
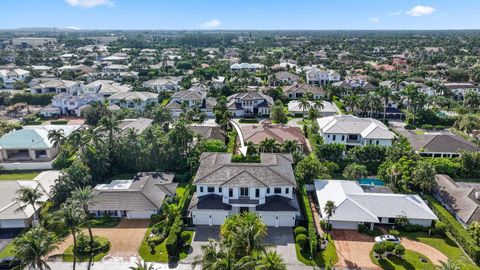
{"x": 387, "y": 237}
{"x": 9, "y": 263}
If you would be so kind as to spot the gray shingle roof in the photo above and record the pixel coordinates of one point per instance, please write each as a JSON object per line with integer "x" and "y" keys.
{"x": 273, "y": 170}
{"x": 146, "y": 193}
{"x": 442, "y": 143}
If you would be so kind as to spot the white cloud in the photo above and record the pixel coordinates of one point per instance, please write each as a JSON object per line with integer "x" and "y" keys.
{"x": 90, "y": 3}
{"x": 73, "y": 28}
{"x": 419, "y": 11}
{"x": 212, "y": 24}
{"x": 374, "y": 20}
{"x": 394, "y": 13}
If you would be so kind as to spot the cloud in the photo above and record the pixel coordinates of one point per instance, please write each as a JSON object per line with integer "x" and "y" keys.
{"x": 374, "y": 20}
{"x": 90, "y": 3}
{"x": 394, "y": 13}
{"x": 419, "y": 11}
{"x": 212, "y": 24}
{"x": 73, "y": 28}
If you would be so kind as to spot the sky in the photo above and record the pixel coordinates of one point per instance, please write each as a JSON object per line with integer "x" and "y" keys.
{"x": 241, "y": 14}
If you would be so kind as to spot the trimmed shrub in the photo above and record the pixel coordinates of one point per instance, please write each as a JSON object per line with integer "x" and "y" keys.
{"x": 302, "y": 241}
{"x": 300, "y": 230}
{"x": 439, "y": 127}
{"x": 185, "y": 236}
{"x": 427, "y": 127}
{"x": 440, "y": 228}
{"x": 460, "y": 234}
{"x": 172, "y": 244}
{"x": 248, "y": 120}
{"x": 59, "y": 122}
{"x": 325, "y": 225}
{"x": 362, "y": 228}
{"x": 414, "y": 228}
{"x": 394, "y": 232}
{"x": 410, "y": 126}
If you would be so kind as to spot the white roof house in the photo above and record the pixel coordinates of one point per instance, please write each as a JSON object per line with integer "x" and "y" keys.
{"x": 352, "y": 130}
{"x": 354, "y": 206}
{"x": 14, "y": 214}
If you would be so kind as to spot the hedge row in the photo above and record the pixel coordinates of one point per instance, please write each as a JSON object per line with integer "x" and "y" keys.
{"x": 461, "y": 235}
{"x": 312, "y": 231}
{"x": 173, "y": 244}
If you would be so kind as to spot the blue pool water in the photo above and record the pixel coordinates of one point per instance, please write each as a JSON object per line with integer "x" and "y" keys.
{"x": 371, "y": 182}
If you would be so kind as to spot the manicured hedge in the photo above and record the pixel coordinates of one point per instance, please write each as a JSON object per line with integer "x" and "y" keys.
{"x": 461, "y": 235}
{"x": 248, "y": 120}
{"x": 59, "y": 122}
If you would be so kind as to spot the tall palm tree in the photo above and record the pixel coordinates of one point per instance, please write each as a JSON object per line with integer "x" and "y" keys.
{"x": 449, "y": 265}
{"x": 28, "y": 196}
{"x": 329, "y": 209}
{"x": 270, "y": 260}
{"x": 139, "y": 265}
{"x": 72, "y": 217}
{"x": 385, "y": 94}
{"x": 216, "y": 256}
{"x": 318, "y": 105}
{"x": 109, "y": 124}
{"x": 352, "y": 102}
{"x": 57, "y": 137}
{"x": 32, "y": 247}
{"x": 268, "y": 145}
{"x": 83, "y": 196}
{"x": 304, "y": 104}
{"x": 290, "y": 146}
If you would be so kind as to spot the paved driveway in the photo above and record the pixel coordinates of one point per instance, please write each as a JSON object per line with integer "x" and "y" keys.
{"x": 353, "y": 249}
{"x": 125, "y": 239}
{"x": 7, "y": 236}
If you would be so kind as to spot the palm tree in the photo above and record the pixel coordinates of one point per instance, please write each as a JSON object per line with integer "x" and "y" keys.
{"x": 449, "y": 265}
{"x": 83, "y": 197}
{"x": 304, "y": 104}
{"x": 352, "y": 102}
{"x": 33, "y": 247}
{"x": 216, "y": 256}
{"x": 329, "y": 209}
{"x": 109, "y": 124}
{"x": 385, "y": 94}
{"x": 268, "y": 145}
{"x": 28, "y": 196}
{"x": 57, "y": 137}
{"x": 318, "y": 105}
{"x": 270, "y": 260}
{"x": 142, "y": 266}
{"x": 394, "y": 171}
{"x": 290, "y": 146}
{"x": 72, "y": 218}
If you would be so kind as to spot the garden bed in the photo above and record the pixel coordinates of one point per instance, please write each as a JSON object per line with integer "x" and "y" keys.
{"x": 103, "y": 251}
{"x": 411, "y": 260}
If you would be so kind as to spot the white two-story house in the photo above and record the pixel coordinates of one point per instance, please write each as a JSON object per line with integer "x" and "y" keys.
{"x": 225, "y": 188}
{"x": 133, "y": 100}
{"x": 249, "y": 104}
{"x": 354, "y": 131}
{"x": 193, "y": 97}
{"x": 70, "y": 104}
{"x": 322, "y": 77}
{"x": 10, "y": 76}
{"x": 56, "y": 86}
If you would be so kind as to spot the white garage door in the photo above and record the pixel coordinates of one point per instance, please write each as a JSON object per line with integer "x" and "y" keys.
{"x": 268, "y": 219}
{"x": 200, "y": 218}
{"x": 286, "y": 221}
{"x": 209, "y": 218}
{"x": 139, "y": 214}
{"x": 346, "y": 225}
{"x": 13, "y": 223}
{"x": 218, "y": 218}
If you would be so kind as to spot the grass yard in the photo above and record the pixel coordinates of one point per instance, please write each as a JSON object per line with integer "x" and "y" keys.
{"x": 328, "y": 256}
{"x": 445, "y": 245}
{"x": 181, "y": 188}
{"x": 123, "y": 176}
{"x": 9, "y": 249}
{"x": 410, "y": 261}
{"x": 158, "y": 255}
{"x": 68, "y": 254}
{"x": 104, "y": 222}
{"x": 165, "y": 102}
{"x": 18, "y": 175}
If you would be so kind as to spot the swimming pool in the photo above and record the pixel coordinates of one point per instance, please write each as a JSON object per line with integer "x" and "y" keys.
{"x": 371, "y": 182}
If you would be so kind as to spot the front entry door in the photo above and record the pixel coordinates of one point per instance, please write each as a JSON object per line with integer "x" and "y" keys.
{"x": 243, "y": 210}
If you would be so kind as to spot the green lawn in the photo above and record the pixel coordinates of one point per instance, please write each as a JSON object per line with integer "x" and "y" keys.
{"x": 104, "y": 222}
{"x": 17, "y": 175}
{"x": 9, "y": 249}
{"x": 123, "y": 176}
{"x": 410, "y": 261}
{"x": 160, "y": 254}
{"x": 329, "y": 255}
{"x": 68, "y": 254}
{"x": 181, "y": 188}
{"x": 165, "y": 102}
{"x": 445, "y": 245}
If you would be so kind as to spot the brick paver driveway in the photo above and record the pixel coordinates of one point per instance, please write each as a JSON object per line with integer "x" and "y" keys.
{"x": 125, "y": 239}
{"x": 353, "y": 249}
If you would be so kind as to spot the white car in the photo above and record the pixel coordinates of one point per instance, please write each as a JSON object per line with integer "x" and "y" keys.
{"x": 387, "y": 237}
